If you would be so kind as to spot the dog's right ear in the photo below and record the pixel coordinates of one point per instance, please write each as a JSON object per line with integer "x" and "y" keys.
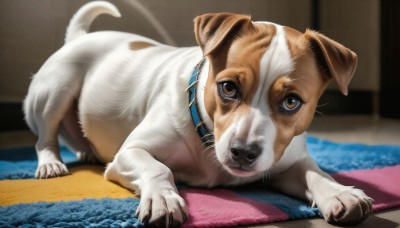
{"x": 337, "y": 61}
{"x": 211, "y": 30}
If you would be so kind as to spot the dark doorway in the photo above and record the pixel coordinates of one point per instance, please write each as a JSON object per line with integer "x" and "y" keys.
{"x": 390, "y": 59}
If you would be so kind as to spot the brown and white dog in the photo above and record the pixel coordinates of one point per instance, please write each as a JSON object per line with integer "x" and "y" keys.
{"x": 229, "y": 112}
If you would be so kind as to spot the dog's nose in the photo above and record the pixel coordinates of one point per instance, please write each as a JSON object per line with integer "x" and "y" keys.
{"x": 245, "y": 154}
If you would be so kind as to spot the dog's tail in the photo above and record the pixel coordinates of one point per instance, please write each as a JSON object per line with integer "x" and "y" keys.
{"x": 83, "y": 18}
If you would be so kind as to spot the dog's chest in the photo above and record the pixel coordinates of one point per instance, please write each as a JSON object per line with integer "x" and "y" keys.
{"x": 203, "y": 171}
{"x": 137, "y": 94}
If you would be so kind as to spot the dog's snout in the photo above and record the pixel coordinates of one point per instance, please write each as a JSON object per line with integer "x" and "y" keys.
{"x": 245, "y": 154}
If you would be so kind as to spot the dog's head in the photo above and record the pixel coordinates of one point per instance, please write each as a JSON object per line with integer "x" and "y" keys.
{"x": 263, "y": 86}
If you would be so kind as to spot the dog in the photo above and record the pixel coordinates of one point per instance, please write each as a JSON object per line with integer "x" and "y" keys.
{"x": 231, "y": 111}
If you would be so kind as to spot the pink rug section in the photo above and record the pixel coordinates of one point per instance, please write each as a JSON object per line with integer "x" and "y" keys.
{"x": 383, "y": 185}
{"x": 218, "y": 207}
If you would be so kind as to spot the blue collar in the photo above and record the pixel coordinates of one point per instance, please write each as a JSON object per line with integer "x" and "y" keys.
{"x": 198, "y": 123}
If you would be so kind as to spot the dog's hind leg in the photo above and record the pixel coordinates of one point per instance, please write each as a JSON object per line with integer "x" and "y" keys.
{"x": 71, "y": 135}
{"x": 50, "y": 95}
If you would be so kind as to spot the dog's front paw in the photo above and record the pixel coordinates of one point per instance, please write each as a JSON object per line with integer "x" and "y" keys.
{"x": 348, "y": 207}
{"x": 50, "y": 170}
{"x": 162, "y": 208}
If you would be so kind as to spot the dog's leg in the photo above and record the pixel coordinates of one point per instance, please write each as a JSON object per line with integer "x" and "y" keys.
{"x": 47, "y": 124}
{"x": 50, "y": 95}
{"x": 338, "y": 204}
{"x": 136, "y": 169}
{"x": 71, "y": 135}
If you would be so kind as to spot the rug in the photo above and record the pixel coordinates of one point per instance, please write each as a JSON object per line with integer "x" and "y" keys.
{"x": 85, "y": 199}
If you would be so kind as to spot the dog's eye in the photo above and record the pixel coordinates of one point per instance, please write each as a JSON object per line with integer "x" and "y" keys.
{"x": 227, "y": 90}
{"x": 291, "y": 104}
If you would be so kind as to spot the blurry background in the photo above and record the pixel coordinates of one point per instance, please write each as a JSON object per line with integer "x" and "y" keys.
{"x": 30, "y": 31}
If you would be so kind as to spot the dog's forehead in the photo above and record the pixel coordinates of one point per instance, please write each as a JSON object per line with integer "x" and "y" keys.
{"x": 276, "y": 61}
{"x": 252, "y": 44}
{"x": 264, "y": 54}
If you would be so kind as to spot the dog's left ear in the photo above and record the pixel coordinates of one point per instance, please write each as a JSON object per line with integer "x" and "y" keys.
{"x": 211, "y": 30}
{"x": 337, "y": 61}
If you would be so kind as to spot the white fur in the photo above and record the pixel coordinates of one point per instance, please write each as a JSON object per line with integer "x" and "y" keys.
{"x": 276, "y": 62}
{"x": 133, "y": 112}
{"x": 80, "y": 22}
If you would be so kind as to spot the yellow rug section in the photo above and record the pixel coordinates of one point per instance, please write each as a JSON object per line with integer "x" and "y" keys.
{"x": 85, "y": 181}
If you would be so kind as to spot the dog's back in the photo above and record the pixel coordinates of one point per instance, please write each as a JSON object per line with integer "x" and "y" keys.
{"x": 100, "y": 86}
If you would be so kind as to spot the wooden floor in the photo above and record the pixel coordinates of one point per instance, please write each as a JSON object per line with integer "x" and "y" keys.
{"x": 361, "y": 129}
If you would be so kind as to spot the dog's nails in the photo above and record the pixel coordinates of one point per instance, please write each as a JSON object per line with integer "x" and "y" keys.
{"x": 184, "y": 215}
{"x": 145, "y": 219}
{"x": 170, "y": 219}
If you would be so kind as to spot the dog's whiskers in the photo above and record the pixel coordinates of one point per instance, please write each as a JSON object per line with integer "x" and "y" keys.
{"x": 209, "y": 153}
{"x": 322, "y": 105}
{"x": 319, "y": 113}
{"x": 208, "y": 141}
{"x": 266, "y": 177}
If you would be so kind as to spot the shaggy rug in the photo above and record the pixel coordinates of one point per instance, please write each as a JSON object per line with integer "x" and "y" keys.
{"x": 84, "y": 198}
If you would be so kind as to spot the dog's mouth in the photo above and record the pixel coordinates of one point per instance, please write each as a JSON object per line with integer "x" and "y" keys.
{"x": 240, "y": 171}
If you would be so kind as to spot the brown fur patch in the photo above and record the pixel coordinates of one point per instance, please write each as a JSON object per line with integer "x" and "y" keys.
{"x": 138, "y": 45}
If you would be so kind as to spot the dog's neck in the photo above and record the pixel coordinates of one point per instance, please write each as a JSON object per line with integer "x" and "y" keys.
{"x": 201, "y": 120}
